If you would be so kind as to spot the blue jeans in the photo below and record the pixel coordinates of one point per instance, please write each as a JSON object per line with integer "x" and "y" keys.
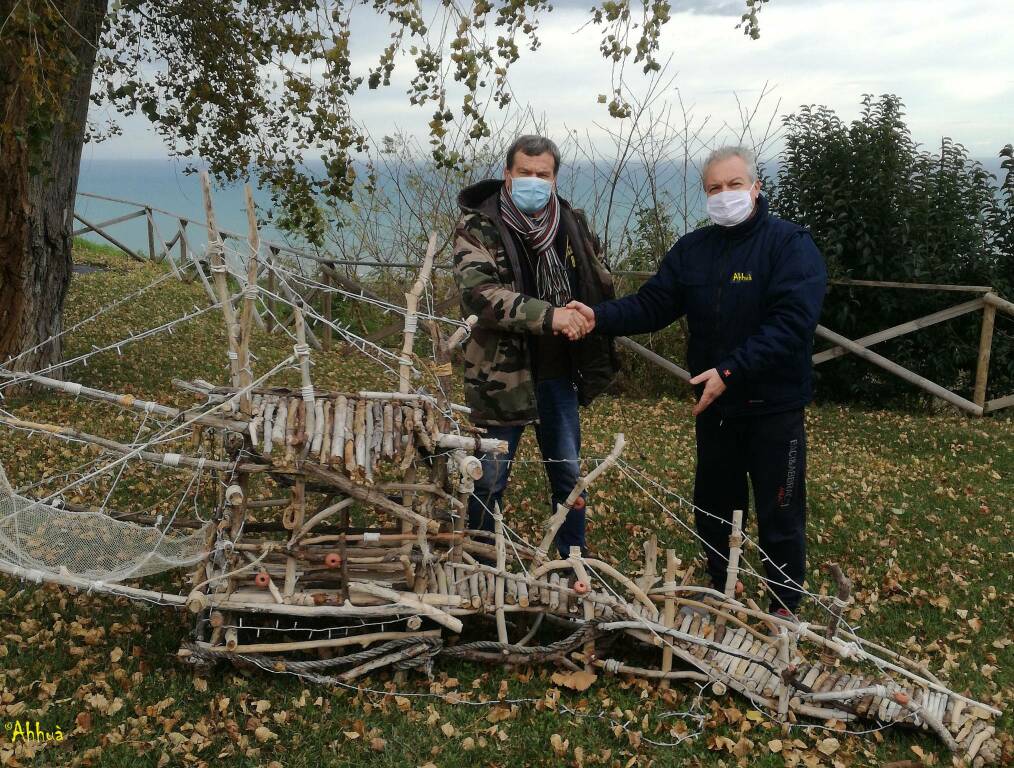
{"x": 558, "y": 432}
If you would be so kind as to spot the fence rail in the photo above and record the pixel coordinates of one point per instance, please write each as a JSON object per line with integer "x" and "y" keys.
{"x": 178, "y": 251}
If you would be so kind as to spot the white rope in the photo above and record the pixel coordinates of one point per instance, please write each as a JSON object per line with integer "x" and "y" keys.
{"x": 171, "y": 459}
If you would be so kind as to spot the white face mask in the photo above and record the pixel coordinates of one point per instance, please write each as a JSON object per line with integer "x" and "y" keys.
{"x": 727, "y": 209}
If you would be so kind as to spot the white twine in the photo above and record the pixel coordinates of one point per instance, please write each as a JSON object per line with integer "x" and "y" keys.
{"x": 301, "y": 350}
{"x": 308, "y": 392}
{"x": 411, "y": 323}
{"x": 171, "y": 459}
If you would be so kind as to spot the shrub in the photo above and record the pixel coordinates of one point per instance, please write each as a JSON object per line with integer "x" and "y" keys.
{"x": 881, "y": 208}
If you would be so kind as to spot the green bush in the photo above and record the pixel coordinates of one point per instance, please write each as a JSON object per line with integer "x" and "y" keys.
{"x": 882, "y": 208}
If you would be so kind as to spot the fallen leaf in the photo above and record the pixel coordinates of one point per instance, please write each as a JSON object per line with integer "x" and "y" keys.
{"x": 828, "y": 746}
{"x": 579, "y": 680}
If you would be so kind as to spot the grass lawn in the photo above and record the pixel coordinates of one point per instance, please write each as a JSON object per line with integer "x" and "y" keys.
{"x": 917, "y": 509}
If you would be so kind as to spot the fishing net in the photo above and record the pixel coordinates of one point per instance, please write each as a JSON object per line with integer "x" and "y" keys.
{"x": 91, "y": 545}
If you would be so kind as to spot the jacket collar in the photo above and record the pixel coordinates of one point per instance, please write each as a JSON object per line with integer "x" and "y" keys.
{"x": 751, "y": 225}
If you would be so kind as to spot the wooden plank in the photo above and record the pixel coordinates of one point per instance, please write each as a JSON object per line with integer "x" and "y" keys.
{"x": 101, "y": 233}
{"x": 109, "y": 222}
{"x": 901, "y": 330}
{"x": 652, "y": 357}
{"x": 913, "y": 286}
{"x": 903, "y": 373}
{"x": 985, "y": 349}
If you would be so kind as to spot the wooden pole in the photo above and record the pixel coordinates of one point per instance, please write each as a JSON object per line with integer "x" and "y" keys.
{"x": 151, "y": 234}
{"x": 652, "y": 357}
{"x": 985, "y": 348}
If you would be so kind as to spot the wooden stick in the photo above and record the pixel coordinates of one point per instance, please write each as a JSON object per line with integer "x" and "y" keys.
{"x": 164, "y": 459}
{"x": 501, "y": 565}
{"x": 218, "y": 269}
{"x": 371, "y": 496}
{"x": 246, "y": 377}
{"x": 841, "y": 601}
{"x": 411, "y": 316}
{"x": 669, "y": 613}
{"x": 554, "y": 523}
{"x": 302, "y": 351}
{"x": 302, "y": 645}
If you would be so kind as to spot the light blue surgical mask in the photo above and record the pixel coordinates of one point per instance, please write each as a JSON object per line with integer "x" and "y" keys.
{"x": 530, "y": 193}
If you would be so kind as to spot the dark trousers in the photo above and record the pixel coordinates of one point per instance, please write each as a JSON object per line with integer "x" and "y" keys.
{"x": 559, "y": 435}
{"x": 771, "y": 451}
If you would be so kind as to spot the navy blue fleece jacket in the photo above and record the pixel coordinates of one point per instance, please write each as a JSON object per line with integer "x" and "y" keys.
{"x": 752, "y": 296}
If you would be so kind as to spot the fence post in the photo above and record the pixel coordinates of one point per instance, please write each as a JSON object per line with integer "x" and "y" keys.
{"x": 985, "y": 348}
{"x": 151, "y": 234}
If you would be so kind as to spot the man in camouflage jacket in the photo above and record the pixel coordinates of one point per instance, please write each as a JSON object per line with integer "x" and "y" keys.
{"x": 519, "y": 367}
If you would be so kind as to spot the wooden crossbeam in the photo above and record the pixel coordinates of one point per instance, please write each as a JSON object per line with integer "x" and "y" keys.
{"x": 901, "y": 372}
{"x": 102, "y": 233}
{"x": 110, "y": 222}
{"x": 901, "y": 330}
{"x": 653, "y": 357}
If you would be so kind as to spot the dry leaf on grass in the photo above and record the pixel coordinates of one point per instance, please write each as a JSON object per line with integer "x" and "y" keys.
{"x": 576, "y": 681}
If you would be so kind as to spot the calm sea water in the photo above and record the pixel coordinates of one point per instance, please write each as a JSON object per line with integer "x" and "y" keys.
{"x": 163, "y": 184}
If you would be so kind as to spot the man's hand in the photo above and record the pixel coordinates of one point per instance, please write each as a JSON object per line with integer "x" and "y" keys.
{"x": 713, "y": 389}
{"x": 570, "y": 323}
{"x": 586, "y": 312}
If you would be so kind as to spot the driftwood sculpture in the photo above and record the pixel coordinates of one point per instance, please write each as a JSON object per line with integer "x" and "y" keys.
{"x": 368, "y": 539}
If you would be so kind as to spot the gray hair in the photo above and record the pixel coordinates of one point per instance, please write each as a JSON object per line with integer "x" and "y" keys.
{"x": 724, "y": 153}
{"x": 532, "y": 145}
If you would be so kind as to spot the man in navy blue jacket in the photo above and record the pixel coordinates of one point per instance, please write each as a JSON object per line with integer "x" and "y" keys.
{"x": 751, "y": 287}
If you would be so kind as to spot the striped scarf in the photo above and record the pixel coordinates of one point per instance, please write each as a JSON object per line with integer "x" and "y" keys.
{"x": 539, "y": 235}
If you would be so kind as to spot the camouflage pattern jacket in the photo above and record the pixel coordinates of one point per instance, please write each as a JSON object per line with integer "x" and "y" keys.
{"x": 499, "y": 387}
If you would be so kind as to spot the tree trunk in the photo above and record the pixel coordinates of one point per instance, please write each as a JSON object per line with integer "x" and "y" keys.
{"x": 39, "y": 168}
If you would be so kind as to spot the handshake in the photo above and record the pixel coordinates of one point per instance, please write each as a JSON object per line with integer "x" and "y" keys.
{"x": 575, "y": 321}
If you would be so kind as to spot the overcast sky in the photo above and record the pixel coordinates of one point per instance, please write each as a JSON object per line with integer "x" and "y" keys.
{"x": 952, "y": 62}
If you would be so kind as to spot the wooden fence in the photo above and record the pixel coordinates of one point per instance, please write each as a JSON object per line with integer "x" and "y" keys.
{"x": 177, "y": 250}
